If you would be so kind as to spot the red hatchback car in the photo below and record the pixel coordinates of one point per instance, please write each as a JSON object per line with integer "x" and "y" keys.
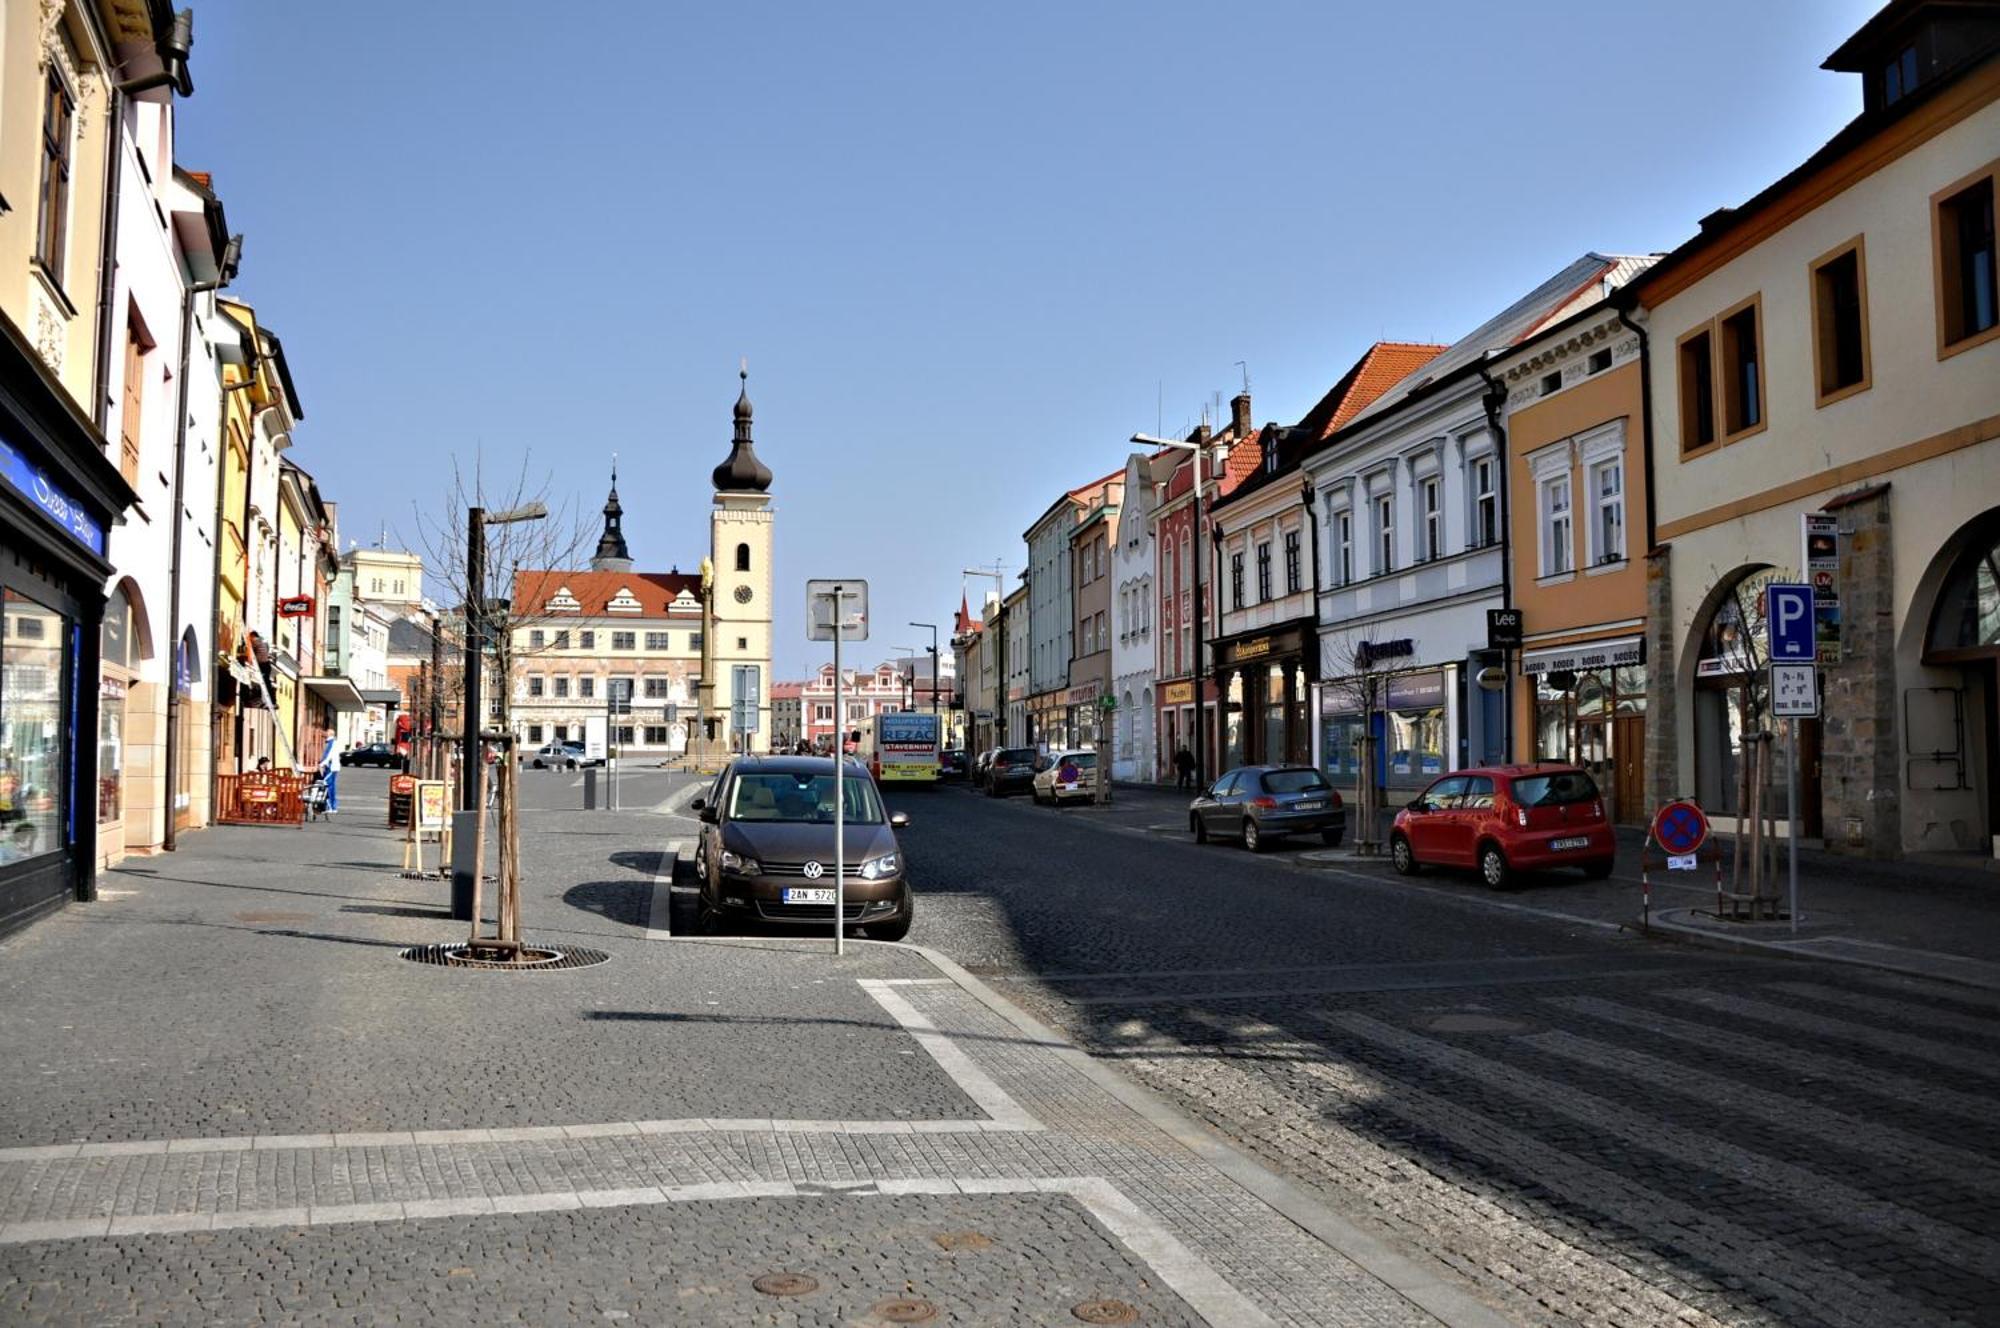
{"x": 1506, "y": 818}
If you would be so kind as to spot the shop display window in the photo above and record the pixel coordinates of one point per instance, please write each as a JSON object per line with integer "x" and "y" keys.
{"x": 32, "y": 651}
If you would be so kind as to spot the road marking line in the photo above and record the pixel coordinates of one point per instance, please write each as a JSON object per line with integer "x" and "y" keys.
{"x": 1962, "y": 1059}
{"x": 974, "y": 1082}
{"x": 660, "y": 909}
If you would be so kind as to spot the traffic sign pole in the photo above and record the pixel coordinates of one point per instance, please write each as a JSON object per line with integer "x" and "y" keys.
{"x": 1792, "y": 812}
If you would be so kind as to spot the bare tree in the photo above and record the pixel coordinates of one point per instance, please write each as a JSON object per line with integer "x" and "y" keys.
{"x": 1753, "y": 850}
{"x": 489, "y": 605}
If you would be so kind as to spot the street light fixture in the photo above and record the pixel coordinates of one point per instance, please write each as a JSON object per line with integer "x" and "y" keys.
{"x": 1200, "y": 703}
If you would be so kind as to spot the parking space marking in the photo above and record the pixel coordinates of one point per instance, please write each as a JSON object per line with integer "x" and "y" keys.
{"x": 974, "y": 1082}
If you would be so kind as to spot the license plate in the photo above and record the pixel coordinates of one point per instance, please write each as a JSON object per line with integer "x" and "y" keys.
{"x": 808, "y": 895}
{"x": 1309, "y": 806}
{"x": 1560, "y": 844}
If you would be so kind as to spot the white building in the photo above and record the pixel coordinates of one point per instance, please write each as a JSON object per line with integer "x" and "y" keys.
{"x": 1133, "y": 603}
{"x": 1408, "y": 495}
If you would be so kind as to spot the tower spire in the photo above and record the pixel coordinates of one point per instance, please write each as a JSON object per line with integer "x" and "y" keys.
{"x": 742, "y": 472}
{"x": 612, "y": 555}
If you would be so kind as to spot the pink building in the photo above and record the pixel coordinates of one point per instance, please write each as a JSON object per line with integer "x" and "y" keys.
{"x": 865, "y": 694}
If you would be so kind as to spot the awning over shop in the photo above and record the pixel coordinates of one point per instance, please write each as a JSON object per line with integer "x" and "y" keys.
{"x": 337, "y": 691}
{"x": 1619, "y": 652}
{"x": 382, "y": 696}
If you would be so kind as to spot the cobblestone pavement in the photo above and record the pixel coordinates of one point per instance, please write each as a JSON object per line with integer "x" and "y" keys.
{"x": 998, "y": 1260}
{"x": 233, "y": 1102}
{"x": 1590, "y": 1128}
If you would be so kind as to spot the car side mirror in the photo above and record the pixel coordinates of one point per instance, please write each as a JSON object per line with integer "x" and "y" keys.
{"x": 708, "y": 815}
{"x": 899, "y": 821}
{"x": 1419, "y": 805}
{"x": 698, "y": 804}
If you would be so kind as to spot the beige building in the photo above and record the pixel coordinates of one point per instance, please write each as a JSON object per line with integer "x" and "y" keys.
{"x": 1832, "y": 346}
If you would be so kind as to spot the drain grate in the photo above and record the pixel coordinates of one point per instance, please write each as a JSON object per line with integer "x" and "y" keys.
{"x": 1105, "y": 1311}
{"x": 532, "y": 960}
{"x": 905, "y": 1309}
{"x": 785, "y": 1284}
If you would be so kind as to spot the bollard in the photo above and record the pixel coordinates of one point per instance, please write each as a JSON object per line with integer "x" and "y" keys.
{"x": 590, "y": 788}
{"x": 462, "y": 838}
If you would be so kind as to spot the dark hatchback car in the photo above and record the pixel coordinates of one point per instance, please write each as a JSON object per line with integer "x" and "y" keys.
{"x": 375, "y": 753}
{"x": 1013, "y": 771}
{"x": 951, "y": 764}
{"x": 1260, "y": 803}
{"x": 767, "y": 848}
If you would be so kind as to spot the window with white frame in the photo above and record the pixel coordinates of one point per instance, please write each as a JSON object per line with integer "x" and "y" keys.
{"x": 823, "y": 712}
{"x": 1343, "y": 546}
{"x": 1558, "y": 539}
{"x": 1385, "y": 533}
{"x": 1604, "y": 469}
{"x": 1430, "y": 503}
{"x": 1485, "y": 503}
{"x": 1293, "y": 575}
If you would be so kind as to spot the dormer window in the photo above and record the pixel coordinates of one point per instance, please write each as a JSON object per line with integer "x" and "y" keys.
{"x": 624, "y": 602}
{"x": 1270, "y": 454}
{"x": 1900, "y": 76}
{"x": 564, "y": 602}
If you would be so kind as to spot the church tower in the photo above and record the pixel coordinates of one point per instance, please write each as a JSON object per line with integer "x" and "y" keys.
{"x": 738, "y": 600}
{"x": 612, "y": 555}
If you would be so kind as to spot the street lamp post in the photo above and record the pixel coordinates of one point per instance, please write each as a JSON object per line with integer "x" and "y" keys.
{"x": 1200, "y": 703}
{"x": 932, "y": 628}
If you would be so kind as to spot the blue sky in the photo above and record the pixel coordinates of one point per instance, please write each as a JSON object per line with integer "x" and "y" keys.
{"x": 968, "y": 252}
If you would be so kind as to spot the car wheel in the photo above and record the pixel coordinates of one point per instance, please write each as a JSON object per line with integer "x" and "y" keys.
{"x": 1200, "y": 828}
{"x": 1253, "y": 839}
{"x": 1597, "y": 871}
{"x": 707, "y": 917}
{"x": 1403, "y": 855}
{"x": 896, "y": 928}
{"x": 1332, "y": 838}
{"x": 1493, "y": 867}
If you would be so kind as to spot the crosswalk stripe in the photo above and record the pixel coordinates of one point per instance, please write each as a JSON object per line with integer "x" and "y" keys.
{"x": 1806, "y": 1189}
{"x": 1905, "y": 1150}
{"x": 1770, "y": 1269}
{"x": 1961, "y": 1059}
{"x": 1916, "y": 1014}
{"x": 1858, "y": 1078}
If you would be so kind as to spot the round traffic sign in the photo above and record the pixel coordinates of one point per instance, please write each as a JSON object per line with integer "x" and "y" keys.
{"x": 1680, "y": 828}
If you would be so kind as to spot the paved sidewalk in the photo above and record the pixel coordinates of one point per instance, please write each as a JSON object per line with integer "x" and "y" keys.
{"x": 1925, "y": 918}
{"x": 234, "y": 1101}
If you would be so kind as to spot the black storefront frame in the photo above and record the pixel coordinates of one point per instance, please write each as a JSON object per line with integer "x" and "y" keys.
{"x": 1292, "y": 645}
{"x": 49, "y": 434}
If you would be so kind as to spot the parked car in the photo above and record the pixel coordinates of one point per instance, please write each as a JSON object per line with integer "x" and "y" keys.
{"x": 1065, "y": 777}
{"x": 1259, "y": 803}
{"x": 982, "y": 768}
{"x": 375, "y": 753}
{"x": 1500, "y": 820}
{"x": 1013, "y": 770}
{"x": 766, "y": 850}
{"x": 560, "y": 755}
{"x": 951, "y": 763}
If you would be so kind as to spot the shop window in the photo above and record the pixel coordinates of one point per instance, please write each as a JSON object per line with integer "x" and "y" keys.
{"x": 110, "y": 750}
{"x": 1968, "y": 287}
{"x": 1840, "y": 323}
{"x": 1274, "y": 714}
{"x": 1742, "y": 353}
{"x": 32, "y": 772}
{"x": 1558, "y": 538}
{"x": 1697, "y": 383}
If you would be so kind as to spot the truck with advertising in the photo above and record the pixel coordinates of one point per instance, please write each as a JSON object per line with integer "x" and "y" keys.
{"x": 905, "y": 748}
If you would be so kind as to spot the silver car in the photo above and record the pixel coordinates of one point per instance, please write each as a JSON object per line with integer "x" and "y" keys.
{"x": 1067, "y": 777}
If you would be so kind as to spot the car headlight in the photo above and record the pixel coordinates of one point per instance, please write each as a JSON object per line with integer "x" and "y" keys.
{"x": 741, "y": 864}
{"x": 876, "y": 868}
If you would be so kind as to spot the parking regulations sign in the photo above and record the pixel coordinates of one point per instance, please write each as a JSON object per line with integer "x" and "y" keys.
{"x": 1788, "y": 619}
{"x": 1794, "y": 691}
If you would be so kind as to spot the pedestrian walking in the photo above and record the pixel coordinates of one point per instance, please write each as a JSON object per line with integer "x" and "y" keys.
{"x": 1184, "y": 769}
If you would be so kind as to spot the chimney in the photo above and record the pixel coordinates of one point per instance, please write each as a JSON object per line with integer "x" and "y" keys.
{"x": 1239, "y": 415}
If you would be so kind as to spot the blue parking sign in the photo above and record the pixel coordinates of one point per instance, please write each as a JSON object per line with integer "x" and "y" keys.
{"x": 1788, "y": 617}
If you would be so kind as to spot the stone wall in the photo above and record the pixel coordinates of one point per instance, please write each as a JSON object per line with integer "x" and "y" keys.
{"x": 1662, "y": 703}
{"x": 1859, "y": 775}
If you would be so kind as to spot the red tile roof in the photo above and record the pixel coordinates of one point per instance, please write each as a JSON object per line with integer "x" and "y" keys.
{"x": 594, "y": 591}
{"x": 1380, "y": 368}
{"x": 787, "y": 691}
{"x": 1245, "y": 454}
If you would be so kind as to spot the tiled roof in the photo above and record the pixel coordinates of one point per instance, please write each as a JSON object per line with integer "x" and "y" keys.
{"x": 594, "y": 591}
{"x": 787, "y": 691}
{"x": 1245, "y": 455}
{"x": 1380, "y": 368}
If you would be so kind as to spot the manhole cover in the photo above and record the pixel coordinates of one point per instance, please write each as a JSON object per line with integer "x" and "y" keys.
{"x": 532, "y": 959}
{"x": 258, "y": 915}
{"x": 785, "y": 1284}
{"x": 963, "y": 1240}
{"x": 1105, "y": 1311}
{"x": 907, "y": 1310}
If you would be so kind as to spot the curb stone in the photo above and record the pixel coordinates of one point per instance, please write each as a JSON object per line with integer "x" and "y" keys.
{"x": 1895, "y": 959}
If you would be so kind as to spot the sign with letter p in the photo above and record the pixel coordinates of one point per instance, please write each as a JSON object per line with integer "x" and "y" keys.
{"x": 1788, "y": 617}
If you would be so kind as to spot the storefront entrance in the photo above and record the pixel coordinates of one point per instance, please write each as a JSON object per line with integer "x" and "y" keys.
{"x": 1952, "y": 732}
{"x": 1266, "y": 685}
{"x": 1590, "y": 709}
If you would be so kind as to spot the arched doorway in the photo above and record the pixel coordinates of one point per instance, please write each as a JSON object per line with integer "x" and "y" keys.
{"x": 1732, "y": 704}
{"x": 1952, "y": 718}
{"x": 190, "y": 729}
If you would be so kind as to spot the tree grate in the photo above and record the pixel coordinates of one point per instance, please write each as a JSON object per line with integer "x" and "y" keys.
{"x": 532, "y": 959}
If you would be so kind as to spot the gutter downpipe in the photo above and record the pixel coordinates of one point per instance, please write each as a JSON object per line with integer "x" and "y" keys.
{"x": 1620, "y": 305}
{"x": 114, "y": 185}
{"x": 1493, "y": 398}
